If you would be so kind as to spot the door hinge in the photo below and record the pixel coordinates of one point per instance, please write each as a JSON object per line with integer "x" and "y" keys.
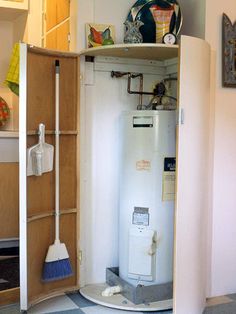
{"x": 68, "y": 37}
{"x": 180, "y": 115}
{"x": 80, "y": 257}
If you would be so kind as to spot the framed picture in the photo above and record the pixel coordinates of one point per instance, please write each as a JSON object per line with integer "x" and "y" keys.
{"x": 228, "y": 52}
{"x": 99, "y": 34}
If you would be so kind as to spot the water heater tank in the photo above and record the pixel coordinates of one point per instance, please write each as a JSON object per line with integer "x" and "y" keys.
{"x": 147, "y": 191}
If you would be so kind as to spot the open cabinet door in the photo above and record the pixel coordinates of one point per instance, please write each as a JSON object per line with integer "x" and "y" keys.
{"x": 37, "y": 193}
{"x": 192, "y": 177}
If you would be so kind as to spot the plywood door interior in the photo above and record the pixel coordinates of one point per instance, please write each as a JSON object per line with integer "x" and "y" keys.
{"x": 40, "y": 190}
{"x": 57, "y": 24}
{"x": 9, "y": 200}
{"x": 9, "y": 217}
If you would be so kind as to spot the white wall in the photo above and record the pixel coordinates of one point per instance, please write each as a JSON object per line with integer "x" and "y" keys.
{"x": 193, "y": 13}
{"x": 224, "y": 176}
{"x": 103, "y": 12}
{"x": 34, "y": 31}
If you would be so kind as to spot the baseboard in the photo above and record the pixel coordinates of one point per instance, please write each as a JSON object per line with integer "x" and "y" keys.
{"x": 7, "y": 243}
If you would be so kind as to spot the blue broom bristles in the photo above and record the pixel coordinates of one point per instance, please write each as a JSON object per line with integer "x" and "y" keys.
{"x": 57, "y": 270}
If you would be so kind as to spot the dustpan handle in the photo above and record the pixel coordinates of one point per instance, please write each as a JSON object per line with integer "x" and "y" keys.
{"x": 57, "y": 149}
{"x": 41, "y": 133}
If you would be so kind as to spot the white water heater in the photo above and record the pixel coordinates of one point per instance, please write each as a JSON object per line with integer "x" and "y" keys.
{"x": 147, "y": 191}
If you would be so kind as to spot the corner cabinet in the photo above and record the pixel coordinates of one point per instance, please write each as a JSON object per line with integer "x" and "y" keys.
{"x": 13, "y": 20}
{"x": 91, "y": 231}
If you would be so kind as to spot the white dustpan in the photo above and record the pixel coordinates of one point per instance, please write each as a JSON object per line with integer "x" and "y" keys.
{"x": 40, "y": 156}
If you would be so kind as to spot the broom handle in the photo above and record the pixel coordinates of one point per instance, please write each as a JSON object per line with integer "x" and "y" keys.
{"x": 57, "y": 174}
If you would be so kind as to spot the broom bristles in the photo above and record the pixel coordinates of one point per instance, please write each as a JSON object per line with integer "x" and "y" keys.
{"x": 57, "y": 264}
{"x": 57, "y": 270}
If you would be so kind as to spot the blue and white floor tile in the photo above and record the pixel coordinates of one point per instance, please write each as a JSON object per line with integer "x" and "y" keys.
{"x": 80, "y": 301}
{"x": 104, "y": 310}
{"x": 77, "y": 304}
{"x": 70, "y": 304}
{"x": 57, "y": 304}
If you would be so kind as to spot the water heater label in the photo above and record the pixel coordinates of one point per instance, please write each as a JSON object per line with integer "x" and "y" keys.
{"x": 168, "y": 184}
{"x": 141, "y": 216}
{"x": 143, "y": 122}
{"x": 143, "y": 165}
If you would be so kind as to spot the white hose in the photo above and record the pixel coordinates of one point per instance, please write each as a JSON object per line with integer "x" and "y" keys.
{"x": 110, "y": 291}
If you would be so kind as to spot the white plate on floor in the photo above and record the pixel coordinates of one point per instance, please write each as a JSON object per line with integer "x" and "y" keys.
{"x": 117, "y": 301}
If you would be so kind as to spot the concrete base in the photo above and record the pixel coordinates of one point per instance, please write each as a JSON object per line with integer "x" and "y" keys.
{"x": 118, "y": 301}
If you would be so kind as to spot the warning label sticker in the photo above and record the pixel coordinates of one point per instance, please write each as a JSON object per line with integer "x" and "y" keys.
{"x": 143, "y": 165}
{"x": 141, "y": 216}
{"x": 168, "y": 180}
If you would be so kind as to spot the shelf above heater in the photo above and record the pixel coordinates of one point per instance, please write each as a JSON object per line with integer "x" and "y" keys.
{"x": 157, "y": 52}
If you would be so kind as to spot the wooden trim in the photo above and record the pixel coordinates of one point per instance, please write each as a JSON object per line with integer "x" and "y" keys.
{"x": 9, "y": 134}
{"x": 50, "y": 132}
{"x": 52, "y": 53}
{"x": 9, "y": 296}
{"x": 78, "y": 178}
{"x": 49, "y": 214}
{"x": 22, "y": 177}
{"x": 57, "y": 26}
{"x": 15, "y": 134}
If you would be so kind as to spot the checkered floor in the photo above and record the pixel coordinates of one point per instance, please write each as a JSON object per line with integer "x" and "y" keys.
{"x": 75, "y": 303}
{"x": 71, "y": 303}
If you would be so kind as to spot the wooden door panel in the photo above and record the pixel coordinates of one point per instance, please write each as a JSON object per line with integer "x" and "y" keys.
{"x": 9, "y": 296}
{"x": 51, "y": 40}
{"x": 63, "y": 10}
{"x": 192, "y": 177}
{"x": 57, "y": 39}
{"x": 9, "y": 200}
{"x": 37, "y": 193}
{"x": 41, "y": 236}
{"x": 57, "y": 31}
{"x": 62, "y": 36}
{"x": 51, "y": 14}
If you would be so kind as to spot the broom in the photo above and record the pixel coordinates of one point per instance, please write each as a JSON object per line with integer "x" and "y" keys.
{"x": 57, "y": 264}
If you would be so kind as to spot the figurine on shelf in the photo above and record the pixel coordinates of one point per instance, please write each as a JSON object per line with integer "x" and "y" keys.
{"x": 99, "y": 35}
{"x": 132, "y": 33}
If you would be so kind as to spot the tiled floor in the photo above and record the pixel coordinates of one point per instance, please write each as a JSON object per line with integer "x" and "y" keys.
{"x": 75, "y": 303}
{"x": 71, "y": 303}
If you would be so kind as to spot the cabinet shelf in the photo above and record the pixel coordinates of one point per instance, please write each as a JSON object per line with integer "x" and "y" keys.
{"x": 51, "y": 132}
{"x": 51, "y": 213}
{"x": 10, "y": 10}
{"x": 9, "y": 134}
{"x": 15, "y": 134}
{"x": 157, "y": 52}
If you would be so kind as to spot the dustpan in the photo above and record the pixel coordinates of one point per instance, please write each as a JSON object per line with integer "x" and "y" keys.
{"x": 40, "y": 156}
